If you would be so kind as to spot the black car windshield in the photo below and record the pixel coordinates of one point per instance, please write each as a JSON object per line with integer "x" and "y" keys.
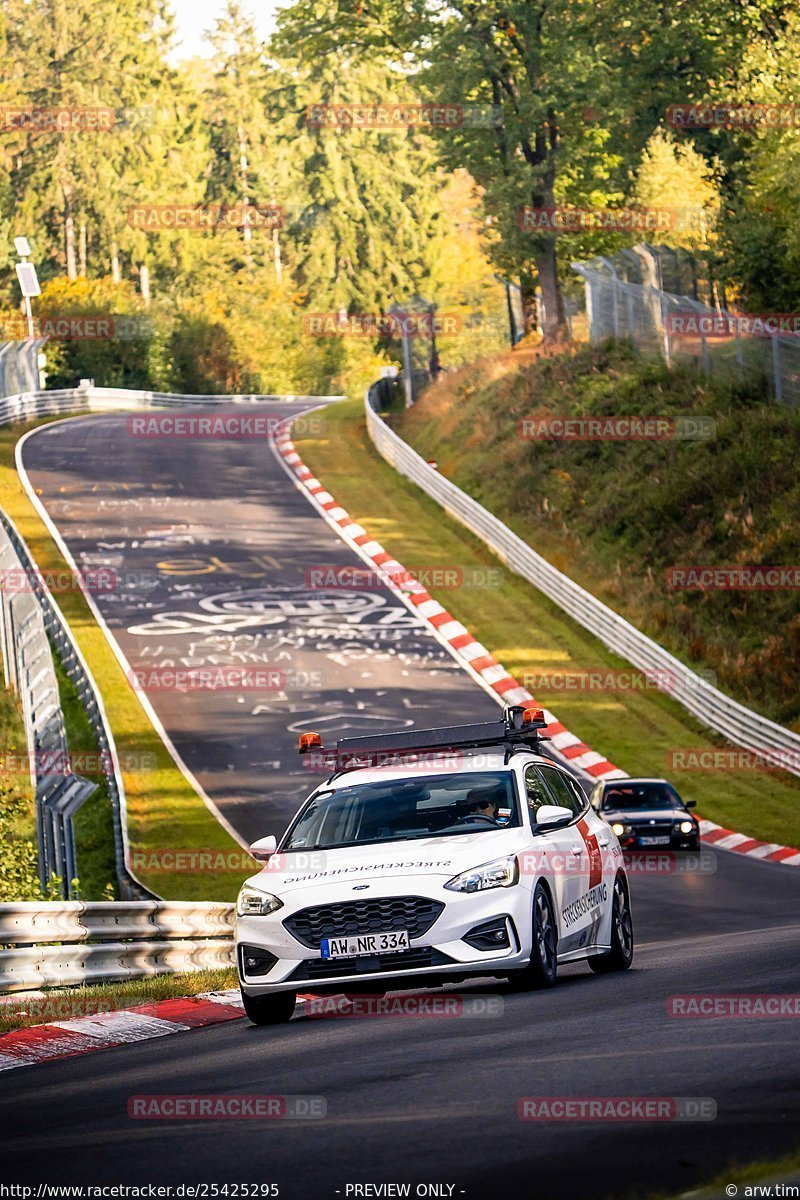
{"x": 641, "y": 795}
{"x": 403, "y": 809}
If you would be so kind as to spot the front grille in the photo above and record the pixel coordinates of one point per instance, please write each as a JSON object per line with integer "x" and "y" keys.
{"x": 645, "y": 829}
{"x": 408, "y": 960}
{"x": 351, "y": 918}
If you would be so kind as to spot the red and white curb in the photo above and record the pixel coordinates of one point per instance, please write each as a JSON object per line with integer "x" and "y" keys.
{"x": 470, "y": 651}
{"x": 117, "y": 1027}
{"x": 477, "y": 659}
{"x": 725, "y": 839}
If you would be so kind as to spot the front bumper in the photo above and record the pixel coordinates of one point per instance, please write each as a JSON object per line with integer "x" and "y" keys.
{"x": 440, "y": 953}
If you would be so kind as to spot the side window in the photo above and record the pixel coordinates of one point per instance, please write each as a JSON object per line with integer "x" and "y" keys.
{"x": 563, "y": 791}
{"x": 577, "y": 791}
{"x": 535, "y": 791}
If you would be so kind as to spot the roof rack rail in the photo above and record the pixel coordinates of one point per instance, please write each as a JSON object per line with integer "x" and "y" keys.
{"x": 519, "y": 727}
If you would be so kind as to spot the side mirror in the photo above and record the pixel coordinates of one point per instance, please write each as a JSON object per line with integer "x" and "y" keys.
{"x": 264, "y": 848}
{"x": 595, "y": 803}
{"x": 550, "y": 815}
{"x": 690, "y": 804}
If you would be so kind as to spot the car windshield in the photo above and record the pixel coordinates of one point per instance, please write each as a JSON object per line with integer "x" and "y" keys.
{"x": 641, "y": 795}
{"x": 403, "y": 809}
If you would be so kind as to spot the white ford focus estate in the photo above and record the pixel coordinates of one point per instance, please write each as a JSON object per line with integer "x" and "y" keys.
{"x": 480, "y": 857}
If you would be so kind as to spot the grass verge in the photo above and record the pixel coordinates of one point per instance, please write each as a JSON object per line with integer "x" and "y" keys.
{"x": 20, "y": 1012}
{"x": 744, "y": 1176}
{"x": 12, "y": 737}
{"x": 637, "y": 729}
{"x": 628, "y": 519}
{"x": 93, "y": 823}
{"x": 165, "y": 813}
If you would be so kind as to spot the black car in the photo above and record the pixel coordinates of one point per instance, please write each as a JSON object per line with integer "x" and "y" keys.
{"x": 647, "y": 812}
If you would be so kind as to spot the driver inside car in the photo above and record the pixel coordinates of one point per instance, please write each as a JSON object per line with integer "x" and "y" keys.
{"x": 483, "y": 802}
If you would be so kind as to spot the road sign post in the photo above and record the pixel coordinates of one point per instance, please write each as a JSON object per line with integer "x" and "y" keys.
{"x": 28, "y": 281}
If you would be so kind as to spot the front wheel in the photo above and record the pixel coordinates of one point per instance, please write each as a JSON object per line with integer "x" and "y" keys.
{"x": 274, "y": 1009}
{"x": 542, "y": 970}
{"x": 620, "y": 956}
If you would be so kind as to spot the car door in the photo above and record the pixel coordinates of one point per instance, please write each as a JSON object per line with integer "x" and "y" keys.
{"x": 560, "y": 856}
{"x": 596, "y": 868}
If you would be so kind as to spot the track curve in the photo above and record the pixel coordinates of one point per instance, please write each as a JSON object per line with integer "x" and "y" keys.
{"x": 409, "y": 1100}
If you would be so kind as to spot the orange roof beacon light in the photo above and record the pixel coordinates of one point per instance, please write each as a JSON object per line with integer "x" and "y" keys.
{"x": 309, "y": 741}
{"x": 533, "y": 716}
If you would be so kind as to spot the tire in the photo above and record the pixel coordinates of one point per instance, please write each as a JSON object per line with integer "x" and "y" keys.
{"x": 269, "y": 1010}
{"x": 542, "y": 970}
{"x": 620, "y": 956}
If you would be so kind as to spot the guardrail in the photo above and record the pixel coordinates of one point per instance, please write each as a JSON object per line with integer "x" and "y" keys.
{"x": 59, "y": 633}
{"x": 697, "y": 695}
{"x": 25, "y": 406}
{"x": 29, "y": 669}
{"x": 19, "y": 365}
{"x": 86, "y": 399}
{"x": 110, "y": 941}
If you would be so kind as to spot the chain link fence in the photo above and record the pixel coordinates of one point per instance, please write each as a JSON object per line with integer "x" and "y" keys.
{"x": 626, "y": 298}
{"x": 431, "y": 338}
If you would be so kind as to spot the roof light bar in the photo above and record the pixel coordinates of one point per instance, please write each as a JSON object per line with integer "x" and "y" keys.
{"x": 519, "y": 725}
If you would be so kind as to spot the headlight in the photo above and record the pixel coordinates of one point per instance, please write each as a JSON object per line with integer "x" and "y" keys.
{"x": 503, "y": 872}
{"x": 253, "y": 903}
{"x": 618, "y": 829}
{"x": 687, "y": 826}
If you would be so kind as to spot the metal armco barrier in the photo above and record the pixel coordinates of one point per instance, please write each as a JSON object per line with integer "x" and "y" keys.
{"x": 28, "y": 666}
{"x": 19, "y": 365}
{"x": 26, "y": 406}
{"x": 109, "y": 941}
{"x": 56, "y": 628}
{"x": 716, "y": 710}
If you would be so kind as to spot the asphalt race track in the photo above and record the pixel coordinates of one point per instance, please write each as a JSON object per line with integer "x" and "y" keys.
{"x": 434, "y": 1100}
{"x": 213, "y": 558}
{"x": 418, "y": 1100}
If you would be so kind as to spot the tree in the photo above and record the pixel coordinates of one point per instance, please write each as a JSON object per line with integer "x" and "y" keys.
{"x": 102, "y": 64}
{"x": 528, "y": 63}
{"x": 363, "y": 202}
{"x": 675, "y": 176}
{"x": 248, "y": 160}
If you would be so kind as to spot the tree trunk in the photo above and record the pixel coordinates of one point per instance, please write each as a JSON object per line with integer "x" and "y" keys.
{"x": 115, "y": 271}
{"x": 530, "y": 305}
{"x": 144, "y": 282}
{"x": 276, "y": 255}
{"x": 244, "y": 193}
{"x": 69, "y": 233}
{"x": 552, "y": 317}
{"x": 82, "y": 249}
{"x": 276, "y": 245}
